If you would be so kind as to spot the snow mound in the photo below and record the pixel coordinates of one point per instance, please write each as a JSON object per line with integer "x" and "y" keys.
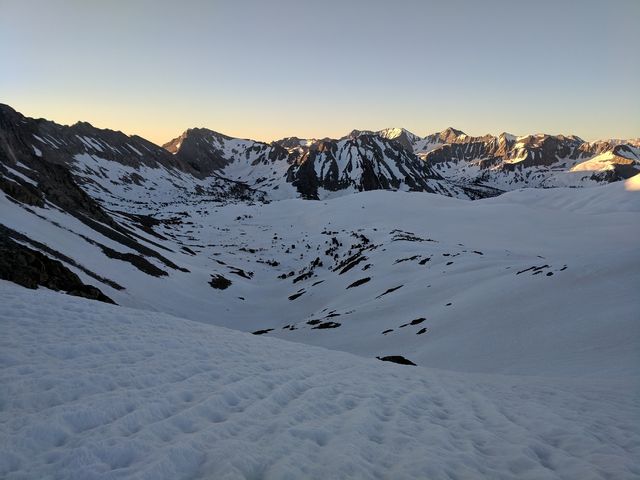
{"x": 92, "y": 391}
{"x": 633, "y": 183}
{"x": 606, "y": 199}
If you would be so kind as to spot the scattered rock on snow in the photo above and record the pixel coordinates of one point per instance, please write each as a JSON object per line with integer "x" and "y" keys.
{"x": 389, "y": 290}
{"x": 325, "y": 325}
{"x": 397, "y": 359}
{"x": 219, "y": 282}
{"x": 262, "y": 332}
{"x": 357, "y": 283}
{"x": 296, "y": 295}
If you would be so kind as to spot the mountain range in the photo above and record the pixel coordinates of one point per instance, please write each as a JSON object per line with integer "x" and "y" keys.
{"x": 119, "y": 219}
{"x": 112, "y": 166}
{"x": 212, "y": 268}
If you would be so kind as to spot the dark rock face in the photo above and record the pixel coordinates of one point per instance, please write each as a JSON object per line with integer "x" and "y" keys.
{"x": 462, "y": 151}
{"x": 40, "y": 146}
{"x": 59, "y": 143}
{"x": 405, "y": 139}
{"x": 30, "y": 268}
{"x": 44, "y": 174}
{"x": 20, "y": 191}
{"x": 208, "y": 152}
{"x": 137, "y": 261}
{"x": 200, "y": 148}
{"x": 547, "y": 150}
{"x": 219, "y": 282}
{"x": 304, "y": 178}
{"x": 448, "y": 135}
{"x": 365, "y": 160}
{"x": 362, "y": 162}
{"x": 290, "y": 142}
{"x": 52, "y": 176}
{"x": 505, "y": 153}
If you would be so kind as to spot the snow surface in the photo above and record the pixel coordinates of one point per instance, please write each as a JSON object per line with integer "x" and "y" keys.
{"x": 600, "y": 163}
{"x": 94, "y": 391}
{"x": 520, "y": 310}
{"x": 480, "y": 313}
{"x": 632, "y": 184}
{"x": 570, "y": 171}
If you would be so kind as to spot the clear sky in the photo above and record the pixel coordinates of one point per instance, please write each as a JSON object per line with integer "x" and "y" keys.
{"x": 267, "y": 69}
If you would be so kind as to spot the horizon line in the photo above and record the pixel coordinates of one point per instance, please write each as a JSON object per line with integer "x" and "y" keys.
{"x": 328, "y": 137}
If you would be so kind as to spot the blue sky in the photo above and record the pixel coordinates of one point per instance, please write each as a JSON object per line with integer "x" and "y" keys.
{"x": 270, "y": 69}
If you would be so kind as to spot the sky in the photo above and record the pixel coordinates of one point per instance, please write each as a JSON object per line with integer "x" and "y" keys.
{"x": 268, "y": 69}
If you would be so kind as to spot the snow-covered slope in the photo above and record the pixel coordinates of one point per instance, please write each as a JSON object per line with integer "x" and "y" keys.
{"x": 118, "y": 170}
{"x": 544, "y": 274}
{"x": 405, "y": 273}
{"x": 260, "y": 165}
{"x": 364, "y": 162}
{"x": 314, "y": 169}
{"x": 507, "y": 162}
{"x": 202, "y": 165}
{"x": 93, "y": 391}
{"x": 539, "y": 283}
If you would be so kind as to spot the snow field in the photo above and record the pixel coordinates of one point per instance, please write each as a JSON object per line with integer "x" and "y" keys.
{"x": 93, "y": 391}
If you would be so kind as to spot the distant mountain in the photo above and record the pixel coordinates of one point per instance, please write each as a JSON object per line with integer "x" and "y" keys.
{"x": 88, "y": 184}
{"x": 404, "y": 137}
{"x": 363, "y": 161}
{"x": 530, "y": 299}
{"x": 506, "y": 162}
{"x": 313, "y": 168}
{"x": 108, "y": 165}
{"x": 190, "y": 229}
{"x": 257, "y": 165}
{"x": 203, "y": 165}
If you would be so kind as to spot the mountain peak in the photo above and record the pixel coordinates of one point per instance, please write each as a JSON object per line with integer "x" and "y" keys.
{"x": 194, "y": 135}
{"x": 451, "y": 133}
{"x": 356, "y": 133}
{"x": 82, "y": 124}
{"x": 393, "y": 133}
{"x": 448, "y": 135}
{"x": 453, "y": 130}
{"x": 506, "y": 136}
